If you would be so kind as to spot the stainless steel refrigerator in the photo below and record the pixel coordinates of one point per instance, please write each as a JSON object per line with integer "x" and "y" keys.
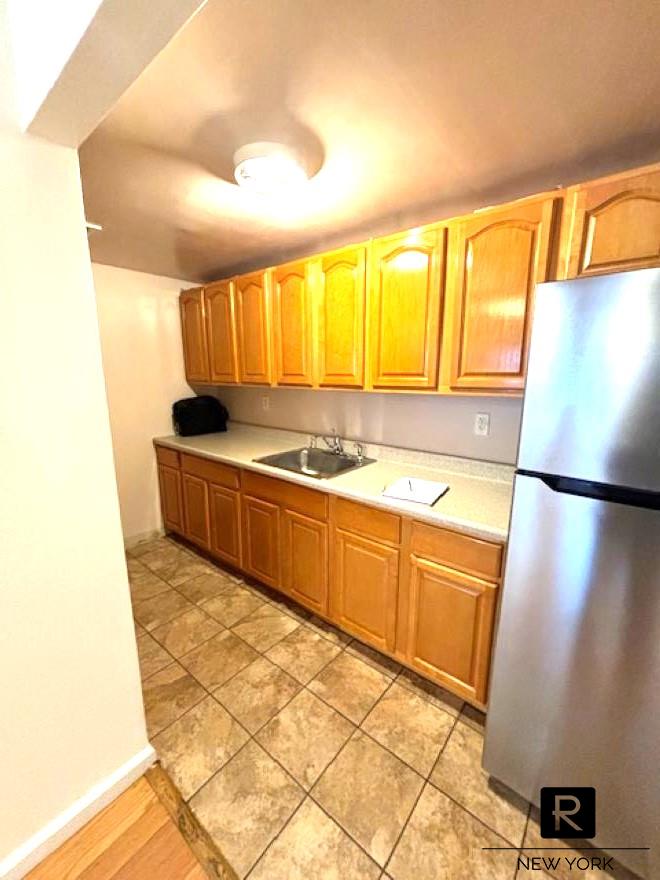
{"x": 575, "y": 689}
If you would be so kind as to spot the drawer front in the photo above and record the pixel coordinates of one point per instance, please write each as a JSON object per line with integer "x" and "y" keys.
{"x": 213, "y": 471}
{"x": 472, "y": 555}
{"x": 167, "y": 456}
{"x": 299, "y": 498}
{"x": 367, "y": 521}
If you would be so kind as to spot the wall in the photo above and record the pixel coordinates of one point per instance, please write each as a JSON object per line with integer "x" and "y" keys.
{"x": 144, "y": 374}
{"x": 433, "y": 423}
{"x": 72, "y": 729}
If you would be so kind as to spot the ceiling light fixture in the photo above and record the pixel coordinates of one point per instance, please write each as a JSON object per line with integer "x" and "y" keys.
{"x": 266, "y": 167}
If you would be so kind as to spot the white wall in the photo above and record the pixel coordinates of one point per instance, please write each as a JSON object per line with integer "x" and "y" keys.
{"x": 415, "y": 421}
{"x": 144, "y": 375}
{"x": 72, "y": 716}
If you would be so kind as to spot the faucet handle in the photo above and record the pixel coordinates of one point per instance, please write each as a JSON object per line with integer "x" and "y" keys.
{"x": 359, "y": 450}
{"x": 313, "y": 438}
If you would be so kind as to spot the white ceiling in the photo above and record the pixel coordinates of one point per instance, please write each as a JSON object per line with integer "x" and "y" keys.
{"x": 417, "y": 108}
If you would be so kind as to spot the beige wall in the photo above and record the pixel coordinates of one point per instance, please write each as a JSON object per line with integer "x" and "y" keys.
{"x": 144, "y": 375}
{"x": 433, "y": 423}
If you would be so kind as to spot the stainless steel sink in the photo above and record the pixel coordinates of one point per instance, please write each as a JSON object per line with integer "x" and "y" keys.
{"x": 315, "y": 462}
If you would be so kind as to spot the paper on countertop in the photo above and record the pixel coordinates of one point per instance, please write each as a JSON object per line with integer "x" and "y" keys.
{"x": 413, "y": 489}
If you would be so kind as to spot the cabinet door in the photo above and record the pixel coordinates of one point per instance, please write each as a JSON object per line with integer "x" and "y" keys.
{"x": 305, "y": 560}
{"x": 613, "y": 225}
{"x": 169, "y": 480}
{"x": 261, "y": 540}
{"x": 497, "y": 259}
{"x": 364, "y": 590}
{"x": 406, "y": 287}
{"x": 193, "y": 332}
{"x": 221, "y": 327}
{"x": 224, "y": 507}
{"x": 341, "y": 318}
{"x": 451, "y": 627}
{"x": 253, "y": 325}
{"x": 196, "y": 510}
{"x": 292, "y": 309}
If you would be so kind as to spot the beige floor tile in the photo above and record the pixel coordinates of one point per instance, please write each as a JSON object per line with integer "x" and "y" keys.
{"x": 305, "y": 736}
{"x": 422, "y": 687}
{"x": 370, "y": 793}
{"x": 313, "y": 847}
{"x": 217, "y": 660}
{"x": 233, "y": 604}
{"x": 135, "y": 567}
{"x": 146, "y": 586}
{"x": 167, "y": 695}
{"x": 198, "y": 744}
{"x": 265, "y": 627}
{"x": 246, "y": 804}
{"x": 186, "y": 631}
{"x": 204, "y": 586}
{"x": 288, "y": 606}
{"x": 350, "y": 686}
{"x": 144, "y": 547}
{"x": 374, "y": 658}
{"x": 257, "y": 693}
{"x": 151, "y": 655}
{"x": 153, "y": 612}
{"x": 443, "y": 842}
{"x": 328, "y": 631}
{"x": 303, "y": 653}
{"x": 473, "y": 717}
{"x": 162, "y": 556}
{"x": 409, "y": 726}
{"x": 183, "y": 568}
{"x": 459, "y": 774}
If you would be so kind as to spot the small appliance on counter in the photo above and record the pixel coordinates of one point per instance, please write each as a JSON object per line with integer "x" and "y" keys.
{"x": 199, "y": 415}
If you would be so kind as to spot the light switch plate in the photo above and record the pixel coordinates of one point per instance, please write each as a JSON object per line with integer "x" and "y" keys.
{"x": 482, "y": 424}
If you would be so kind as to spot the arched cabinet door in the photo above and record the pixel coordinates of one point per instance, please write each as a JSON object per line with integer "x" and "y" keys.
{"x": 612, "y": 225}
{"x": 292, "y": 311}
{"x": 406, "y": 288}
{"x": 253, "y": 328}
{"x": 221, "y": 331}
{"x": 193, "y": 332}
{"x": 497, "y": 258}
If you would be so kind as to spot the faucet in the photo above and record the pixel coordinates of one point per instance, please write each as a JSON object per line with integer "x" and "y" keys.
{"x": 334, "y": 442}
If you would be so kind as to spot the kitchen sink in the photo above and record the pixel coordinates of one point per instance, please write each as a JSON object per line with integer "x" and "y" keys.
{"x": 315, "y": 462}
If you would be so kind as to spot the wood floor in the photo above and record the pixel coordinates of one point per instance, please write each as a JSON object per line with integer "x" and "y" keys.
{"x": 133, "y": 838}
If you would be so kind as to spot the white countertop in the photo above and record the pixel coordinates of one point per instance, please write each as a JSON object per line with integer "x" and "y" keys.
{"x": 478, "y": 501}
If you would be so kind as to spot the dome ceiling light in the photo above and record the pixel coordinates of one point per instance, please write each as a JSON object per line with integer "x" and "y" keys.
{"x": 265, "y": 167}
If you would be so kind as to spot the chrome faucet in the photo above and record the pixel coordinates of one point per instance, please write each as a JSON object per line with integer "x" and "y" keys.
{"x": 334, "y": 442}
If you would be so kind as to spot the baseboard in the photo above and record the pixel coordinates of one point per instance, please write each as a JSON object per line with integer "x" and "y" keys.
{"x": 54, "y": 833}
{"x": 133, "y": 540}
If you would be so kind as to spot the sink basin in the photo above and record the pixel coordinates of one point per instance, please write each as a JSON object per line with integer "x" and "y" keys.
{"x": 317, "y": 463}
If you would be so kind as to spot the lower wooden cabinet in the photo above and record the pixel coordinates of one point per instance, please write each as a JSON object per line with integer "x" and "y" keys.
{"x": 305, "y": 560}
{"x": 365, "y": 585}
{"x": 171, "y": 502}
{"x": 451, "y": 627}
{"x": 261, "y": 540}
{"x": 225, "y": 512}
{"x": 197, "y": 527}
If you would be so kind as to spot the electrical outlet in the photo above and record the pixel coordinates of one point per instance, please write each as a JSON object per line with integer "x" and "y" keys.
{"x": 265, "y": 402}
{"x": 482, "y": 424}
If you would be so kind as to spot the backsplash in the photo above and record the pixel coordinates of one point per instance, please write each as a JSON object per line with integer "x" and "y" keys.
{"x": 437, "y": 424}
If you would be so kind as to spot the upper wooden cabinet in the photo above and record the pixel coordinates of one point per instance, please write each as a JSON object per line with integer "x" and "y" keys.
{"x": 612, "y": 225}
{"x": 252, "y": 294}
{"x": 292, "y": 315}
{"x": 221, "y": 327}
{"x": 406, "y": 287}
{"x": 193, "y": 332}
{"x": 496, "y": 259}
{"x": 341, "y": 284}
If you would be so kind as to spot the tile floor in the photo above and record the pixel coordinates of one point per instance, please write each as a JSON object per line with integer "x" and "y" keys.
{"x": 302, "y": 752}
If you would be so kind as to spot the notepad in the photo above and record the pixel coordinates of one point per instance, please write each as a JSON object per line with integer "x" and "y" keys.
{"x": 413, "y": 489}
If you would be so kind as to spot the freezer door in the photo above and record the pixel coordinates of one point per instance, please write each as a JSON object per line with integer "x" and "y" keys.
{"x": 575, "y": 695}
{"x": 592, "y": 400}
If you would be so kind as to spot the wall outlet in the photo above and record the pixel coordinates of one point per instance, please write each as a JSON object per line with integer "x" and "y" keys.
{"x": 265, "y": 402}
{"x": 482, "y": 424}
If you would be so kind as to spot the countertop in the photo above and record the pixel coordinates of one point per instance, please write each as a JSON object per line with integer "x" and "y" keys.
{"x": 478, "y": 501}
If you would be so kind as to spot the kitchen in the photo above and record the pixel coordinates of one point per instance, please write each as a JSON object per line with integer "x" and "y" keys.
{"x": 378, "y": 612}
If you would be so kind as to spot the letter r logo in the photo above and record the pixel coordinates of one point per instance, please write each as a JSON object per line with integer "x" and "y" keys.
{"x": 568, "y": 813}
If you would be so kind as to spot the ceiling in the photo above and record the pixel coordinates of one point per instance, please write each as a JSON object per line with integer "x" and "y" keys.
{"x": 415, "y": 109}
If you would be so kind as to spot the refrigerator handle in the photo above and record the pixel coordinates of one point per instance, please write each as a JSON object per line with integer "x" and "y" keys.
{"x": 597, "y": 491}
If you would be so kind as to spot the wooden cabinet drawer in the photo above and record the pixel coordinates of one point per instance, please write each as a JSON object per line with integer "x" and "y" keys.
{"x": 167, "y": 456}
{"x": 472, "y": 555}
{"x": 213, "y": 471}
{"x": 367, "y": 521}
{"x": 299, "y": 498}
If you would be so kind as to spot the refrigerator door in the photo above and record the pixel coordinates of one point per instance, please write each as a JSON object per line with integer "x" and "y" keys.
{"x": 592, "y": 401}
{"x": 574, "y": 698}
